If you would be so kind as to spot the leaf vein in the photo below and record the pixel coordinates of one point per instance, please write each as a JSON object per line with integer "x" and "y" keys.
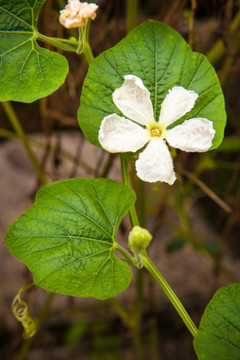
{"x": 15, "y": 16}
{"x": 16, "y": 47}
{"x": 78, "y": 211}
{"x": 98, "y": 201}
{"x": 140, "y": 62}
{"x": 197, "y": 69}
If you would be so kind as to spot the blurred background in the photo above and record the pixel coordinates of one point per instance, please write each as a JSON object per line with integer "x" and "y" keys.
{"x": 195, "y": 223}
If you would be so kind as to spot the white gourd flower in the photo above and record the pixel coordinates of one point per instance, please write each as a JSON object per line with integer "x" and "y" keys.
{"x": 120, "y": 134}
{"x": 76, "y": 13}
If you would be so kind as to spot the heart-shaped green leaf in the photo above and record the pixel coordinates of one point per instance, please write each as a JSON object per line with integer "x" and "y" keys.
{"x": 67, "y": 238}
{"x": 27, "y": 71}
{"x": 162, "y": 59}
{"x": 219, "y": 334}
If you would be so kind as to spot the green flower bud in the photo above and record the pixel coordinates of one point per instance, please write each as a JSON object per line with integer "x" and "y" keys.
{"x": 139, "y": 239}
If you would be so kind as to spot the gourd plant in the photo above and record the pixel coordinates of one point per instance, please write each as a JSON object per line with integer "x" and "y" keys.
{"x": 167, "y": 93}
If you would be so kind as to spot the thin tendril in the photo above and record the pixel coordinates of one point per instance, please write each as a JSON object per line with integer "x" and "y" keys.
{"x": 20, "y": 310}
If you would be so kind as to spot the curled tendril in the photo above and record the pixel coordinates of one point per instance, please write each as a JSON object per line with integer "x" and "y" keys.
{"x": 20, "y": 310}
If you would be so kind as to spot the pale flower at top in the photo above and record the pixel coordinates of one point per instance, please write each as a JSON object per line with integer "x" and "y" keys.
{"x": 118, "y": 134}
{"x": 77, "y": 13}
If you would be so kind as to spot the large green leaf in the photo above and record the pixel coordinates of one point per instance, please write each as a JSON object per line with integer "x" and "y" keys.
{"x": 162, "y": 59}
{"x": 67, "y": 238}
{"x": 27, "y": 71}
{"x": 219, "y": 334}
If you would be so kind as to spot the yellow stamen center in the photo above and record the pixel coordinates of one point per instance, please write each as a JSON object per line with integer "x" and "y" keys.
{"x": 155, "y": 132}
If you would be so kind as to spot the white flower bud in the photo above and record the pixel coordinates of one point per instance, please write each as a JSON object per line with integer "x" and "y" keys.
{"x": 76, "y": 13}
{"x": 139, "y": 239}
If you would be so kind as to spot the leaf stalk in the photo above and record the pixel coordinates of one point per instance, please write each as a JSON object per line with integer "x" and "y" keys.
{"x": 70, "y": 44}
{"x": 125, "y": 177}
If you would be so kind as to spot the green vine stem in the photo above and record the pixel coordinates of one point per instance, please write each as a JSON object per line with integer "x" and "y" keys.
{"x": 141, "y": 202}
{"x": 130, "y": 260}
{"x": 147, "y": 263}
{"x": 80, "y": 40}
{"x": 70, "y": 44}
{"x": 132, "y": 14}
{"x": 139, "y": 261}
{"x": 138, "y": 297}
{"x": 107, "y": 166}
{"x": 83, "y": 43}
{"x": 138, "y": 300}
{"x": 9, "y": 110}
{"x": 138, "y": 343}
{"x": 87, "y": 51}
{"x": 125, "y": 177}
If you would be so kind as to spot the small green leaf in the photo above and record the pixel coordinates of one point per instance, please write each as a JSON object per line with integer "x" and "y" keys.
{"x": 27, "y": 71}
{"x": 162, "y": 59}
{"x": 219, "y": 334}
{"x": 67, "y": 238}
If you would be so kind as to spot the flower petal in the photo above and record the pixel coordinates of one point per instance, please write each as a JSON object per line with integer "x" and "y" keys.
{"x": 192, "y": 135}
{"x": 118, "y": 134}
{"x": 155, "y": 163}
{"x": 177, "y": 103}
{"x": 133, "y": 100}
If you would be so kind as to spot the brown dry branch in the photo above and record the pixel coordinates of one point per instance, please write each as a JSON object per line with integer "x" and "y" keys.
{"x": 206, "y": 189}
